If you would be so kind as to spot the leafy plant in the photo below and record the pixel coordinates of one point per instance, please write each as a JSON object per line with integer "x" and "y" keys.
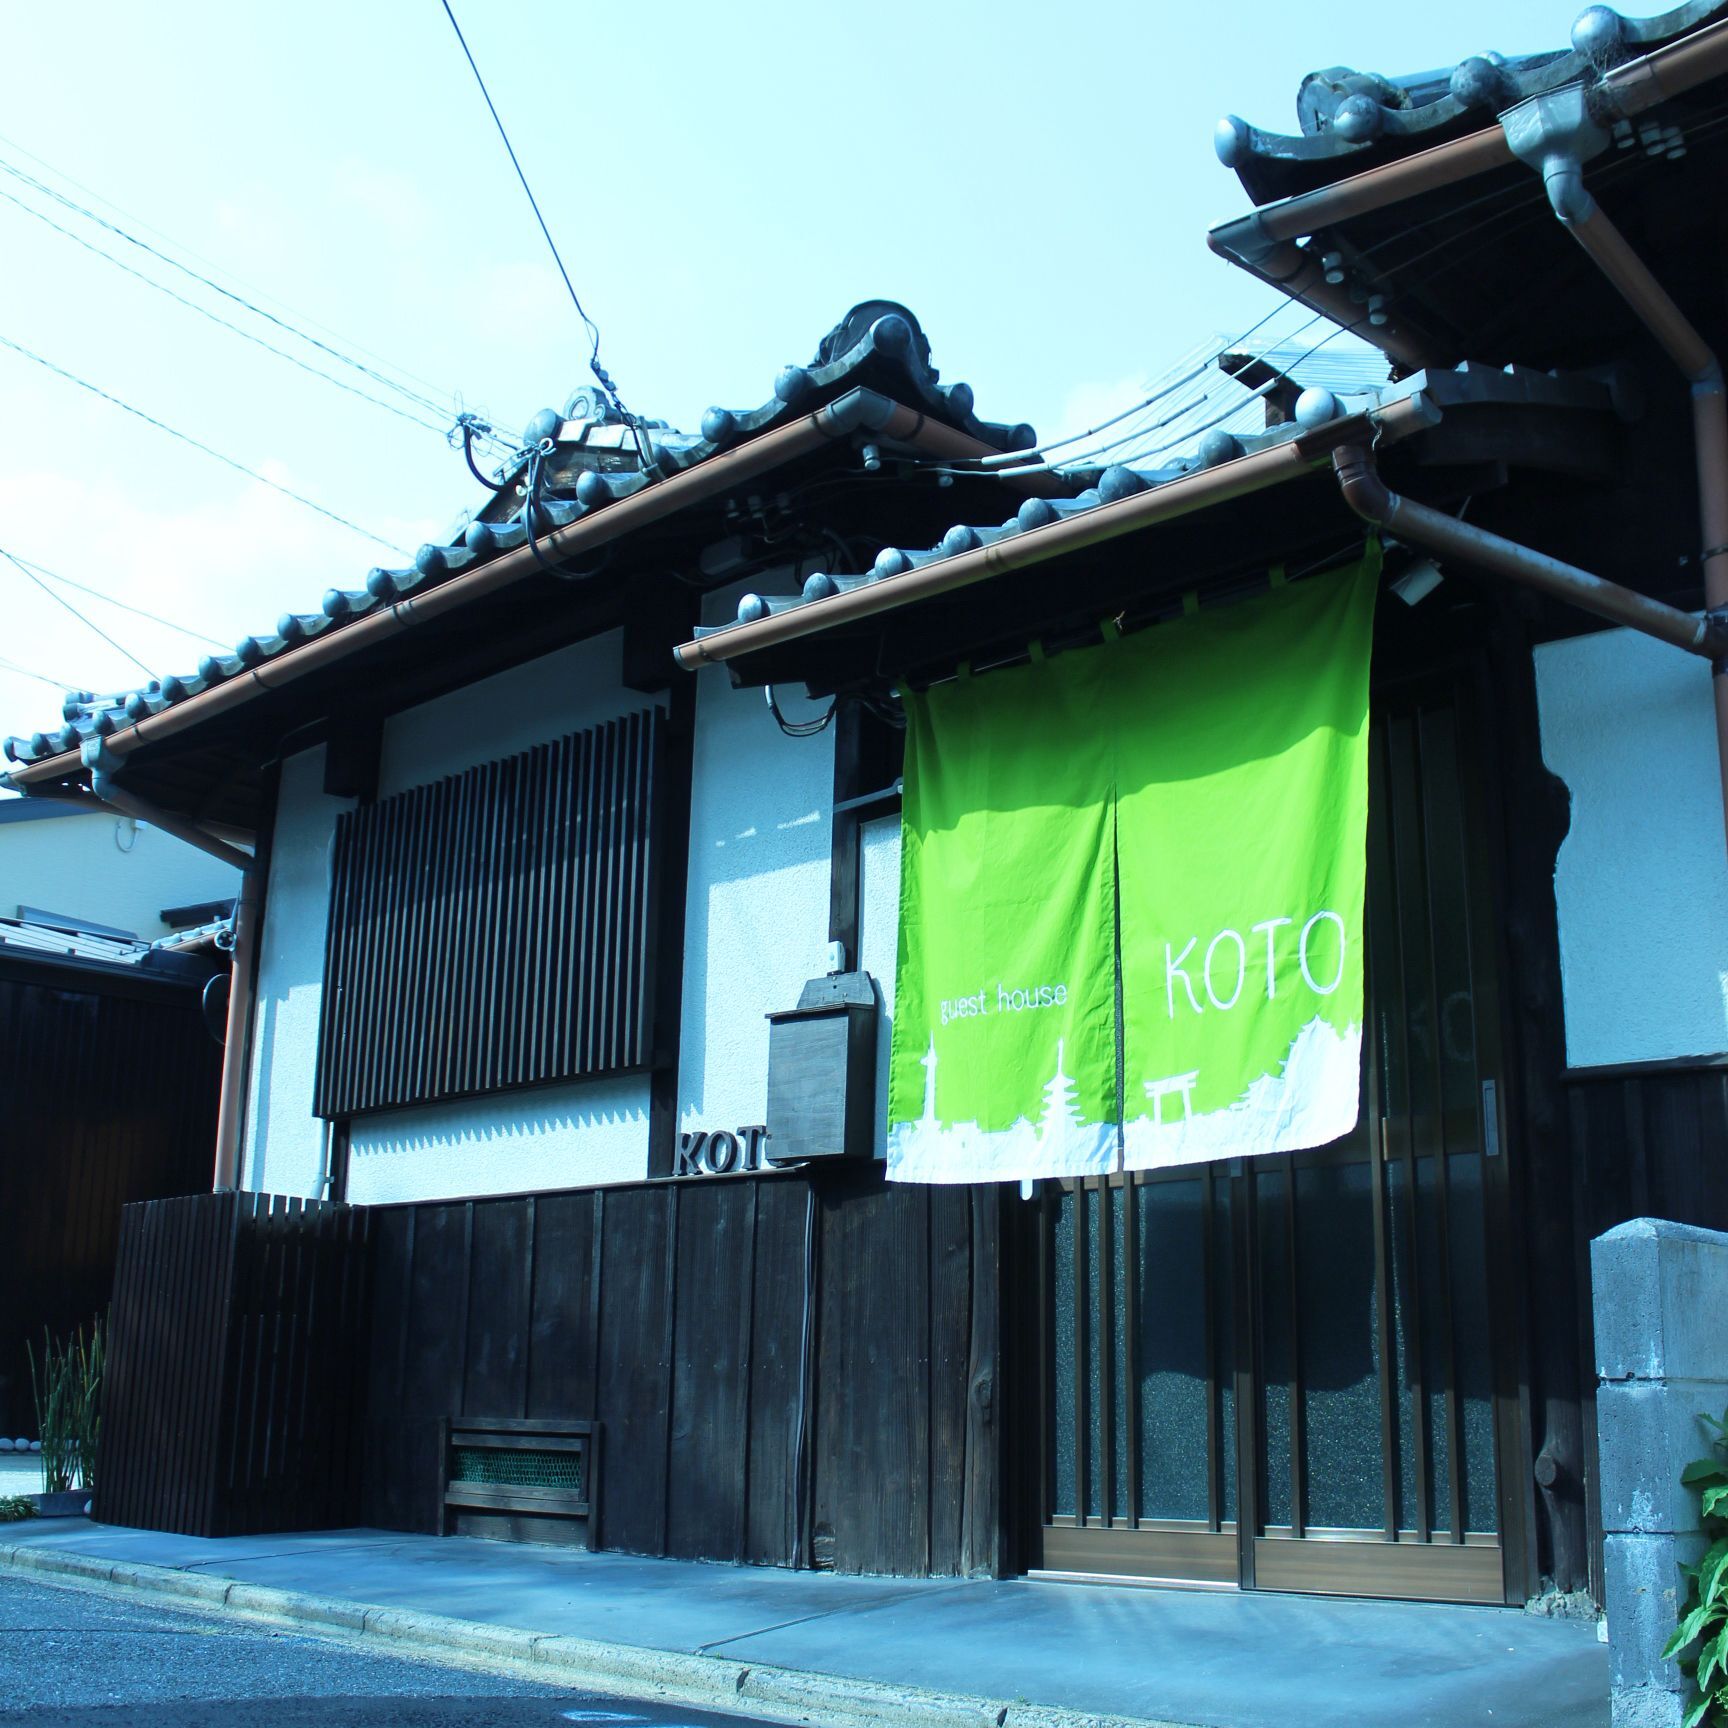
{"x": 68, "y": 1388}
{"x": 15, "y": 1508}
{"x": 1700, "y": 1641}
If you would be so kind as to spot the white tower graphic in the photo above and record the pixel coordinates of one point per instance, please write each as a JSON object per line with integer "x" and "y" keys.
{"x": 928, "y": 1063}
{"x": 1056, "y": 1126}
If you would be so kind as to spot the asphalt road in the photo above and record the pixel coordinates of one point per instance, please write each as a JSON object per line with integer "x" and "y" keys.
{"x": 83, "y": 1659}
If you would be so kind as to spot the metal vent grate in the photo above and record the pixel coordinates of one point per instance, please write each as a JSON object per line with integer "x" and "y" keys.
{"x": 518, "y": 1467}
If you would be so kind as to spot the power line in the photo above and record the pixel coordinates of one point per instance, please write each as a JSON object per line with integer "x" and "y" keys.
{"x": 41, "y": 677}
{"x": 124, "y": 605}
{"x": 186, "y": 438}
{"x": 60, "y": 599}
{"x": 594, "y": 365}
{"x": 151, "y": 228}
{"x": 205, "y": 312}
{"x": 426, "y": 402}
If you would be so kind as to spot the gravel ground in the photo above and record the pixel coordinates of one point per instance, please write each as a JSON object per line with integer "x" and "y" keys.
{"x": 83, "y": 1659}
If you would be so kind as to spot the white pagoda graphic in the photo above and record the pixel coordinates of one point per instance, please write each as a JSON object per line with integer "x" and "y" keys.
{"x": 1060, "y": 1143}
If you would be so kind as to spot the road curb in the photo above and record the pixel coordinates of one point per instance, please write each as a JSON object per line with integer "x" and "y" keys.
{"x": 670, "y": 1677}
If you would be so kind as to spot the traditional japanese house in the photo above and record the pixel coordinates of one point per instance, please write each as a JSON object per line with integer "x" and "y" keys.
{"x": 572, "y": 960}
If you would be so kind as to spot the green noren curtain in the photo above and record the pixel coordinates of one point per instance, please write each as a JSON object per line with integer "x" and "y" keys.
{"x": 1184, "y": 811}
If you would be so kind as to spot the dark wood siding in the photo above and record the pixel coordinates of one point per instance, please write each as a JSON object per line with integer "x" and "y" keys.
{"x": 785, "y": 1370}
{"x": 494, "y": 929}
{"x": 109, "y": 1092}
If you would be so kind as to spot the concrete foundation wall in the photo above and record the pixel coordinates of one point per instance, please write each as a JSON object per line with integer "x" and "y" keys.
{"x": 1660, "y": 1291}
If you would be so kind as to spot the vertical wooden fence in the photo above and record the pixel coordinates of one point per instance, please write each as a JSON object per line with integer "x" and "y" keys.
{"x": 792, "y": 1370}
{"x": 233, "y": 1351}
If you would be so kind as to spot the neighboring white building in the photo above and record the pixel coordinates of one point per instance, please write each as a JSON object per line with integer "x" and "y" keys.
{"x": 100, "y": 872}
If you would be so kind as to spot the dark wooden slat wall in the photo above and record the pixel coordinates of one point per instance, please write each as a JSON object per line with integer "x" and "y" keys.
{"x": 445, "y": 903}
{"x": 866, "y": 1439}
{"x": 236, "y": 1366}
{"x": 110, "y": 1097}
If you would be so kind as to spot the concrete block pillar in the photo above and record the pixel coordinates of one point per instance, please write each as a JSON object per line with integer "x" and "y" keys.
{"x": 1660, "y": 1293}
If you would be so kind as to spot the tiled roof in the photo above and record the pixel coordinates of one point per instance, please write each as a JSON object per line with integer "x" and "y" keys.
{"x": 30, "y": 937}
{"x": 1345, "y": 115}
{"x": 590, "y": 460}
{"x": 1465, "y": 385}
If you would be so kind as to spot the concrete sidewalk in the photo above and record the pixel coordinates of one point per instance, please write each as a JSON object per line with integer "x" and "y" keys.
{"x": 813, "y": 1646}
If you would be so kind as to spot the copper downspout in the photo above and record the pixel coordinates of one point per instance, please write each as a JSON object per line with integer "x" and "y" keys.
{"x": 1211, "y": 486}
{"x": 1554, "y": 135}
{"x": 857, "y": 411}
{"x": 1688, "y": 350}
{"x": 231, "y": 1102}
{"x": 1433, "y": 530}
{"x": 116, "y": 798}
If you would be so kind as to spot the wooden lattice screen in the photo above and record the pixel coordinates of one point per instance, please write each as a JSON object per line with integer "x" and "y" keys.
{"x": 494, "y": 929}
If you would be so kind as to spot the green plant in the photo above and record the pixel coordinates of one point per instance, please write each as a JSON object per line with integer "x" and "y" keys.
{"x": 1700, "y": 1641}
{"x": 15, "y": 1508}
{"x": 68, "y": 1388}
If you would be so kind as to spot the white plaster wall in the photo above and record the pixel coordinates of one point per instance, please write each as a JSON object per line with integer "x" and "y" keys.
{"x": 284, "y": 1142}
{"x": 107, "y": 870}
{"x": 563, "y": 692}
{"x": 584, "y": 1133}
{"x": 1641, "y": 882}
{"x": 575, "y": 1136}
{"x": 756, "y": 919}
{"x": 878, "y": 943}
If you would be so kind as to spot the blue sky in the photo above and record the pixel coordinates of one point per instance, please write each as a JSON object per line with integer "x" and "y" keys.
{"x": 1034, "y": 181}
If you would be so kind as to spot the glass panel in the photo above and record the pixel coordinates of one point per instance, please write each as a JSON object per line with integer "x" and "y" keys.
{"x": 1276, "y": 1360}
{"x": 1475, "y": 1356}
{"x": 1340, "y": 1355}
{"x": 1170, "y": 1342}
{"x": 1436, "y": 1370}
{"x": 1089, "y": 1198}
{"x": 1224, "y": 1340}
{"x": 1120, "y": 1281}
{"x": 1401, "y": 1233}
{"x": 1062, "y": 1366}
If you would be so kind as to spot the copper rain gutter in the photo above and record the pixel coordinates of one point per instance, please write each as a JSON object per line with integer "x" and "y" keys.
{"x": 1264, "y": 242}
{"x": 1211, "y": 486}
{"x": 857, "y": 411}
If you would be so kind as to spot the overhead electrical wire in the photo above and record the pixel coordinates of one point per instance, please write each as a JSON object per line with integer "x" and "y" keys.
{"x": 60, "y": 599}
{"x": 113, "y": 600}
{"x": 40, "y": 677}
{"x": 216, "y": 318}
{"x": 196, "y": 444}
{"x": 190, "y": 252}
{"x": 418, "y": 398}
{"x": 1197, "y": 364}
{"x": 601, "y": 374}
{"x": 1194, "y": 364}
